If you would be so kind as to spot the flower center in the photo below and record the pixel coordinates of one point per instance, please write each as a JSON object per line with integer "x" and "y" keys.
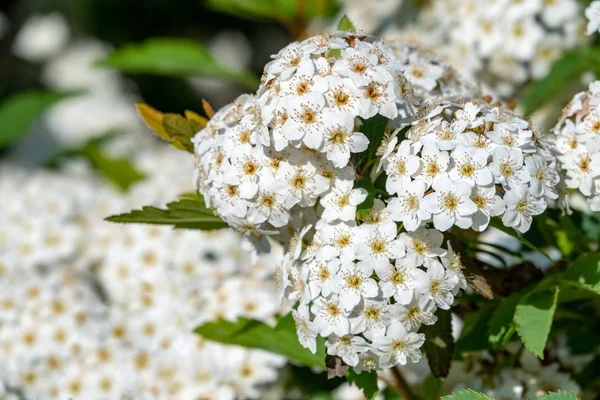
{"x": 232, "y": 190}
{"x": 378, "y": 246}
{"x": 302, "y": 88}
{"x": 432, "y": 169}
{"x": 584, "y": 164}
{"x": 343, "y": 241}
{"x": 299, "y": 181}
{"x": 413, "y": 312}
{"x": 480, "y": 201}
{"x": 522, "y": 205}
{"x": 245, "y": 137}
{"x": 338, "y": 137}
{"x": 341, "y": 98}
{"x": 467, "y": 169}
{"x": 451, "y": 202}
{"x": 373, "y": 92}
{"x": 333, "y": 310}
{"x": 401, "y": 168}
{"x": 250, "y": 168}
{"x": 399, "y": 345}
{"x": 435, "y": 286}
{"x": 323, "y": 274}
{"x": 506, "y": 170}
{"x": 398, "y": 278}
{"x": 354, "y": 281}
{"x": 268, "y": 200}
{"x": 372, "y": 313}
{"x": 308, "y": 117}
{"x": 343, "y": 201}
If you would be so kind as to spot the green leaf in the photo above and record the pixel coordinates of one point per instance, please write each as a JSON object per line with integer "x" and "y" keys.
{"x": 19, "y": 112}
{"x": 432, "y": 387}
{"x": 346, "y": 25}
{"x": 281, "y": 339}
{"x": 560, "y": 395}
{"x": 466, "y": 394}
{"x": 174, "y": 57}
{"x": 473, "y": 336}
{"x": 366, "y": 184}
{"x": 533, "y": 317}
{"x": 562, "y": 233}
{"x": 497, "y": 223}
{"x": 116, "y": 170}
{"x": 374, "y": 129}
{"x": 564, "y": 73}
{"x": 439, "y": 344}
{"x": 501, "y": 327}
{"x": 284, "y": 11}
{"x": 586, "y": 272}
{"x": 367, "y": 381}
{"x": 189, "y": 212}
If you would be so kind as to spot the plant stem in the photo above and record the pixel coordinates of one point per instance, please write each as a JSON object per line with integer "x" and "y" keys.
{"x": 402, "y": 386}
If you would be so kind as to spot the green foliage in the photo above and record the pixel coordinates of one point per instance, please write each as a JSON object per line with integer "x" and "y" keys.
{"x": 370, "y": 200}
{"x": 189, "y": 212}
{"x": 560, "y": 395}
{"x": 466, "y": 395}
{"x": 174, "y": 57}
{"x": 501, "y": 327}
{"x": 586, "y": 272}
{"x": 497, "y": 223}
{"x": 118, "y": 171}
{"x": 346, "y": 25}
{"x": 564, "y": 74}
{"x": 20, "y": 111}
{"x": 374, "y": 128}
{"x": 284, "y": 11}
{"x": 473, "y": 336}
{"x": 432, "y": 387}
{"x": 562, "y": 233}
{"x": 439, "y": 343}
{"x": 533, "y": 317}
{"x": 281, "y": 339}
{"x": 367, "y": 381}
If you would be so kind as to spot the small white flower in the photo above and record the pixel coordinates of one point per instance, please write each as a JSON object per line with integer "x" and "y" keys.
{"x": 423, "y": 245}
{"x": 450, "y": 204}
{"x": 339, "y": 240}
{"x": 592, "y": 13}
{"x": 400, "y": 167}
{"x": 421, "y": 310}
{"x": 408, "y": 207}
{"x": 354, "y": 282}
{"x": 521, "y": 206}
{"x": 370, "y": 318}
{"x": 305, "y": 329}
{"x": 340, "y": 138}
{"x": 330, "y": 316}
{"x": 321, "y": 276}
{"x": 507, "y": 166}
{"x": 342, "y": 201}
{"x": 305, "y": 119}
{"x": 439, "y": 285}
{"x": 401, "y": 280}
{"x": 488, "y": 205}
{"x": 347, "y": 348}
{"x": 470, "y": 166}
{"x": 378, "y": 244}
{"x": 398, "y": 346}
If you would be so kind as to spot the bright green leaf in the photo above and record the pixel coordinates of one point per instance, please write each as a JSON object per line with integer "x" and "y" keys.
{"x": 370, "y": 200}
{"x": 116, "y": 170}
{"x": 533, "y": 318}
{"x": 439, "y": 344}
{"x": 559, "y": 396}
{"x": 586, "y": 272}
{"x": 187, "y": 213}
{"x": 467, "y": 394}
{"x": 501, "y": 326}
{"x": 432, "y": 387}
{"x": 174, "y": 57}
{"x": 367, "y": 381}
{"x": 281, "y": 339}
{"x": 20, "y": 111}
{"x": 564, "y": 73}
{"x": 284, "y": 11}
{"x": 346, "y": 25}
{"x": 497, "y": 223}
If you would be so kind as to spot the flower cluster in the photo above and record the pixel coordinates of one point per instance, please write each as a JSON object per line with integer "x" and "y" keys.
{"x": 502, "y": 44}
{"x": 93, "y": 310}
{"x": 266, "y": 159}
{"x": 576, "y": 144}
{"x": 465, "y": 162}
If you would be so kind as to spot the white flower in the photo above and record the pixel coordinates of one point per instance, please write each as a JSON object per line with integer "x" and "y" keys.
{"x": 592, "y": 13}
{"x": 330, "y": 316}
{"x": 398, "y": 346}
{"x": 342, "y": 201}
{"x": 244, "y": 171}
{"x": 470, "y": 166}
{"x": 439, "y": 285}
{"x": 378, "y": 244}
{"x": 401, "y": 280}
{"x": 347, "y": 348}
{"x": 321, "y": 276}
{"x": 300, "y": 184}
{"x": 450, "y": 204}
{"x": 400, "y": 167}
{"x": 488, "y": 205}
{"x": 305, "y": 119}
{"x": 359, "y": 64}
{"x": 543, "y": 178}
{"x": 423, "y": 245}
{"x": 434, "y": 164}
{"x": 507, "y": 166}
{"x": 521, "y": 206}
{"x": 582, "y": 168}
{"x": 340, "y": 138}
{"x": 408, "y": 207}
{"x": 305, "y": 329}
{"x": 370, "y": 317}
{"x": 354, "y": 282}
{"x": 421, "y": 310}
{"x": 343, "y": 95}
{"x": 339, "y": 240}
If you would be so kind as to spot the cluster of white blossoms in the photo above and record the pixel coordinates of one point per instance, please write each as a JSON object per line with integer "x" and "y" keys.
{"x": 592, "y": 13}
{"x": 465, "y": 162}
{"x": 576, "y": 144}
{"x": 501, "y": 43}
{"x": 95, "y": 310}
{"x": 265, "y": 160}
{"x": 366, "y": 266}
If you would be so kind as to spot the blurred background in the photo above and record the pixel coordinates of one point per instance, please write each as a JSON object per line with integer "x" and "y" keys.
{"x": 93, "y": 310}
